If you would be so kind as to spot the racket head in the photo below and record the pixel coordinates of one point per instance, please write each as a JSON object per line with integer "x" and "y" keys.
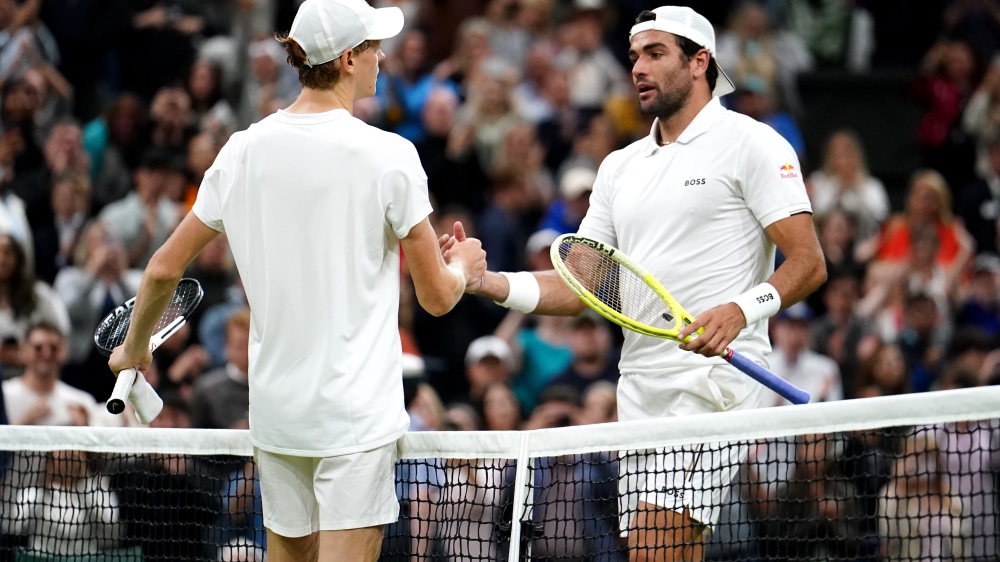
{"x": 111, "y": 331}
{"x": 617, "y": 287}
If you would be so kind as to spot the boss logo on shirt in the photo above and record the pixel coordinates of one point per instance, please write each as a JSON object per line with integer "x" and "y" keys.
{"x": 788, "y": 171}
{"x": 698, "y": 181}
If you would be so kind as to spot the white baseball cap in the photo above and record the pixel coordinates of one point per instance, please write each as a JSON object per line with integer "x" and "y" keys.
{"x": 490, "y": 346}
{"x": 326, "y": 28}
{"x": 685, "y": 22}
{"x": 576, "y": 181}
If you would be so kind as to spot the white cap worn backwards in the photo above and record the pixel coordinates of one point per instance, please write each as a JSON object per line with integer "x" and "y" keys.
{"x": 326, "y": 28}
{"x": 685, "y": 22}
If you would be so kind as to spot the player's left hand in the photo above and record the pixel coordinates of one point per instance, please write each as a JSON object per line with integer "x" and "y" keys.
{"x": 722, "y": 324}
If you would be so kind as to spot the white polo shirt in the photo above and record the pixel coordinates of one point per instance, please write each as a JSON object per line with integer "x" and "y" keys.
{"x": 314, "y": 207}
{"x": 693, "y": 213}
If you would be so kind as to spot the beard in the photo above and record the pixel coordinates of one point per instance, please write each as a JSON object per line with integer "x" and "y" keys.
{"x": 667, "y": 104}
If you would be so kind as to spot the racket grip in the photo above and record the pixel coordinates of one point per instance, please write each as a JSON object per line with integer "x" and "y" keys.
{"x": 787, "y": 390}
{"x": 123, "y": 386}
{"x": 146, "y": 403}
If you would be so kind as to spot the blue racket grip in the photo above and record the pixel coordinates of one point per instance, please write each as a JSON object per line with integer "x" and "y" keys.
{"x": 788, "y": 391}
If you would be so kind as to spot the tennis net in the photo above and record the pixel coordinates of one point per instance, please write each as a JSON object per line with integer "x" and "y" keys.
{"x": 905, "y": 478}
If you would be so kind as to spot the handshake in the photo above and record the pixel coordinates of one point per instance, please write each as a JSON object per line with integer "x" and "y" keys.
{"x": 465, "y": 256}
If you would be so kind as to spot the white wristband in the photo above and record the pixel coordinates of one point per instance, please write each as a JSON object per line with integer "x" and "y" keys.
{"x": 759, "y": 303}
{"x": 524, "y": 291}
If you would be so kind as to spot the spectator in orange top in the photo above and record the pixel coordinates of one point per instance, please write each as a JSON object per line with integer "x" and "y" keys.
{"x": 928, "y": 200}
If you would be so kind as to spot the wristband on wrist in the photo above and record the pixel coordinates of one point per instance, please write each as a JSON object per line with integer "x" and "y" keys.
{"x": 759, "y": 303}
{"x": 524, "y": 291}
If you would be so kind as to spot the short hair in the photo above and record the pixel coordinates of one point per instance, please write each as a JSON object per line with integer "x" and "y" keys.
{"x": 44, "y": 326}
{"x": 320, "y": 76}
{"x": 239, "y": 319}
{"x": 689, "y": 48}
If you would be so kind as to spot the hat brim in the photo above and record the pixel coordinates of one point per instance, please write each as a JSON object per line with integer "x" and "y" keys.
{"x": 723, "y": 85}
{"x": 388, "y": 23}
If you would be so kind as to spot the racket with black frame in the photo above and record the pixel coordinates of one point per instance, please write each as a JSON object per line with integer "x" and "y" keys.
{"x": 131, "y": 385}
{"x": 625, "y": 293}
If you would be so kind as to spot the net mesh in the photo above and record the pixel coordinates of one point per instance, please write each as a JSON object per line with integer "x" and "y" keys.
{"x": 816, "y": 482}
{"x": 618, "y": 287}
{"x": 112, "y": 330}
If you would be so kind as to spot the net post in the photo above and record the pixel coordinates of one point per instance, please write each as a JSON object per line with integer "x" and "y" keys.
{"x": 520, "y": 497}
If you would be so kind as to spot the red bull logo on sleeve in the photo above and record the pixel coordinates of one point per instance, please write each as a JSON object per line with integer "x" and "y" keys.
{"x": 788, "y": 171}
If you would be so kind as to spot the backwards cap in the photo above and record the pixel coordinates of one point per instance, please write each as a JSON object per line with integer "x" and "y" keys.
{"x": 326, "y": 28}
{"x": 685, "y": 22}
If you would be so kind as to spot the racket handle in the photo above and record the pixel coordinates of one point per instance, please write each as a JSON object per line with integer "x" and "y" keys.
{"x": 787, "y": 390}
{"x": 123, "y": 386}
{"x": 145, "y": 401}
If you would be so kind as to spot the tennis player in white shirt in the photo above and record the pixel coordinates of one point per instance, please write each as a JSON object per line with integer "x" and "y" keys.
{"x": 316, "y": 204}
{"x": 702, "y": 202}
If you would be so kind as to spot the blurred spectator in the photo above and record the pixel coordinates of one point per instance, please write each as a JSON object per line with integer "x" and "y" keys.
{"x": 979, "y": 305}
{"x": 558, "y": 406}
{"x": 455, "y": 175}
{"x": 839, "y": 332}
{"x": 215, "y": 270}
{"x": 26, "y": 41}
{"x": 837, "y": 237}
{"x": 270, "y": 85}
{"x": 403, "y": 88}
{"x": 981, "y": 117}
{"x": 520, "y": 150}
{"x": 115, "y": 142}
{"x": 594, "y": 72}
{"x": 529, "y": 96}
{"x": 501, "y": 226}
{"x": 948, "y": 76}
{"x": 923, "y": 339}
{"x": 978, "y": 203}
{"x": 19, "y": 103}
{"x": 927, "y": 201}
{"x": 145, "y": 217}
{"x": 172, "y": 121}
{"x": 489, "y": 360}
{"x": 751, "y": 47}
{"x": 844, "y": 182}
{"x": 220, "y": 398}
{"x": 753, "y": 99}
{"x": 209, "y": 107}
{"x": 201, "y": 152}
{"x": 55, "y": 240}
{"x": 557, "y": 130}
{"x": 472, "y": 48}
{"x": 500, "y": 408}
{"x": 63, "y": 153}
{"x": 38, "y": 397}
{"x": 883, "y": 372}
{"x": 564, "y": 214}
{"x": 509, "y": 39}
{"x": 488, "y": 112}
{"x": 793, "y": 361}
{"x": 97, "y": 282}
{"x": 594, "y": 358}
{"x": 23, "y": 301}
{"x": 918, "y": 518}
{"x": 600, "y": 404}
{"x": 243, "y": 519}
{"x": 461, "y": 416}
{"x": 72, "y": 513}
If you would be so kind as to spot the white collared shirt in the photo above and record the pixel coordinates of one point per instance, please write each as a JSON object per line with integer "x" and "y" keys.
{"x": 693, "y": 213}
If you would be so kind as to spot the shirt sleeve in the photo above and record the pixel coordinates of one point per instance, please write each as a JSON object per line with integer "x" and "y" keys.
{"x": 773, "y": 188}
{"x": 403, "y": 188}
{"x": 218, "y": 180}
{"x": 597, "y": 222}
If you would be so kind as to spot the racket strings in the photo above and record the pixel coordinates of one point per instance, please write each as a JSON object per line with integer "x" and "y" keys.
{"x": 616, "y": 286}
{"x": 111, "y": 333}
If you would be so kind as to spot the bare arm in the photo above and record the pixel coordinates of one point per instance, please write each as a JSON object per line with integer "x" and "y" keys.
{"x": 157, "y": 287}
{"x": 440, "y": 280}
{"x": 802, "y": 272}
{"x": 556, "y": 298}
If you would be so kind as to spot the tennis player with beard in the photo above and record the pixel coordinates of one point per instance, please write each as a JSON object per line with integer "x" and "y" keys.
{"x": 316, "y": 205}
{"x": 703, "y": 202}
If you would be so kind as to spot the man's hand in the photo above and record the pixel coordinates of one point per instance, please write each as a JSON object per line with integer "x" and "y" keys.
{"x": 468, "y": 251}
{"x": 722, "y": 324}
{"x": 120, "y": 360}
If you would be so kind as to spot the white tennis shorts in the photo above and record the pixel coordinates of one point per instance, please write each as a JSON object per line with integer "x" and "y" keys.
{"x": 694, "y": 478}
{"x": 302, "y": 495}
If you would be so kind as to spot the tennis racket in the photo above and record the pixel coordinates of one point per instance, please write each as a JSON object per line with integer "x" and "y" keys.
{"x": 628, "y": 295}
{"x": 131, "y": 385}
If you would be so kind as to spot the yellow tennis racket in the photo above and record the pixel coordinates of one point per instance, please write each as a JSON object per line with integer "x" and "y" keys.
{"x": 625, "y": 293}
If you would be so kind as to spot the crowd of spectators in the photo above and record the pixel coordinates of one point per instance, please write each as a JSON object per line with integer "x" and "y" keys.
{"x": 111, "y": 111}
